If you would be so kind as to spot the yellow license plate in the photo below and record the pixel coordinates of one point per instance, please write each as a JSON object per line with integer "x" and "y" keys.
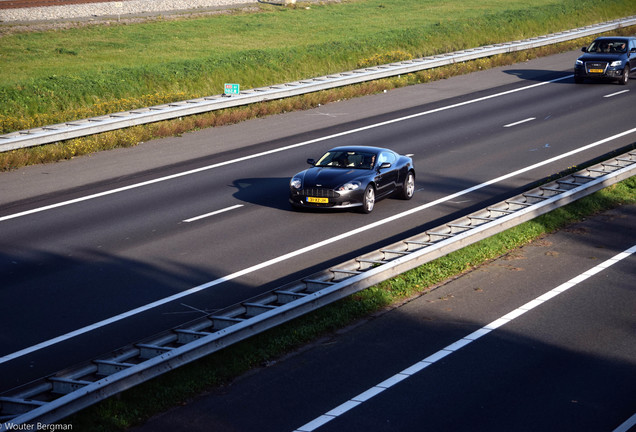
{"x": 318, "y": 200}
{"x": 596, "y": 70}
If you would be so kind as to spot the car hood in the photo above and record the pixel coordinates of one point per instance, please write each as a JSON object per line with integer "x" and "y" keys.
{"x": 601, "y": 57}
{"x": 330, "y": 177}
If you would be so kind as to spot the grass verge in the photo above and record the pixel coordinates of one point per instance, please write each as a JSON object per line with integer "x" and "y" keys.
{"x": 60, "y": 75}
{"x": 135, "y": 405}
{"x": 64, "y": 75}
{"x": 132, "y": 136}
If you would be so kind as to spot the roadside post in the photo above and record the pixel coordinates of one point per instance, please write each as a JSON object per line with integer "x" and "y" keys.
{"x": 119, "y": 5}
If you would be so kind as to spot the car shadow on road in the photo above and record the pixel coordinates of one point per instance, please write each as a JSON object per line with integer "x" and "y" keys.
{"x": 273, "y": 193}
{"x": 269, "y": 192}
{"x": 542, "y": 75}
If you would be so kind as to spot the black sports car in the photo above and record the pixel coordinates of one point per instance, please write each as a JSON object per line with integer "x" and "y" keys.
{"x": 353, "y": 177}
{"x": 607, "y": 58}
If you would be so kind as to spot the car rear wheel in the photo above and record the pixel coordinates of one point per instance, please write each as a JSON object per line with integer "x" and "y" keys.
{"x": 625, "y": 78}
{"x": 368, "y": 201}
{"x": 408, "y": 188}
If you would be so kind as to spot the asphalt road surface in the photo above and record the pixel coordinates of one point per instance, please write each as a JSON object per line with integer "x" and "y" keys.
{"x": 102, "y": 251}
{"x": 542, "y": 339}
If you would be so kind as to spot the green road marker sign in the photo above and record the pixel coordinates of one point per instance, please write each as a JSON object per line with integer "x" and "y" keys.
{"x": 232, "y": 89}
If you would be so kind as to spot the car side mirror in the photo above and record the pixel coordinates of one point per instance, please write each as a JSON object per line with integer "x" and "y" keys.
{"x": 311, "y": 161}
{"x": 584, "y": 49}
{"x": 384, "y": 165}
{"x": 633, "y": 51}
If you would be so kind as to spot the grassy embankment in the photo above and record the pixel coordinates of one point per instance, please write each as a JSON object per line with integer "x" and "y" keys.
{"x": 56, "y": 76}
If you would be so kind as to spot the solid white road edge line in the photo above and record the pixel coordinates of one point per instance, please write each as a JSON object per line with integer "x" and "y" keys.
{"x": 213, "y": 213}
{"x": 417, "y": 367}
{"x": 616, "y": 94}
{"x": 295, "y": 253}
{"x": 257, "y": 155}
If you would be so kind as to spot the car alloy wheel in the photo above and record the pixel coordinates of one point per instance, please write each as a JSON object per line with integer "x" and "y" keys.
{"x": 368, "y": 201}
{"x": 625, "y": 78}
{"x": 408, "y": 188}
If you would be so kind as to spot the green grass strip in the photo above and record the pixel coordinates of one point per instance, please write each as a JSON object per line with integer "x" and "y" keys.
{"x": 56, "y": 76}
{"x": 61, "y": 75}
{"x": 132, "y": 136}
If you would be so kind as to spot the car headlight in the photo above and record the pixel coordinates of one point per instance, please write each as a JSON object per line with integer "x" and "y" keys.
{"x": 349, "y": 186}
{"x": 616, "y": 63}
{"x": 579, "y": 63}
{"x": 296, "y": 183}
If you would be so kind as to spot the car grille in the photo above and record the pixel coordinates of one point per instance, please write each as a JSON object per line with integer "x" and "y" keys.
{"x": 320, "y": 193}
{"x": 595, "y": 65}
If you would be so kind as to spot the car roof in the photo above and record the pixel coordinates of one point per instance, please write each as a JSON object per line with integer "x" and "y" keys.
{"x": 626, "y": 38}
{"x": 361, "y": 149}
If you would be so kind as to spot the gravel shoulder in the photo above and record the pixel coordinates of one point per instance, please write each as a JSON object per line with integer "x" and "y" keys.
{"x": 123, "y": 9}
{"x": 117, "y": 12}
{"x": 124, "y": 12}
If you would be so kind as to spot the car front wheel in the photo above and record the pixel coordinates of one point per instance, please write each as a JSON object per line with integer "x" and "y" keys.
{"x": 625, "y": 78}
{"x": 368, "y": 201}
{"x": 408, "y": 188}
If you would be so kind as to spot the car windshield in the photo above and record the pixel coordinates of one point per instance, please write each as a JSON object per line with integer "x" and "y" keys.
{"x": 608, "y": 46}
{"x": 347, "y": 159}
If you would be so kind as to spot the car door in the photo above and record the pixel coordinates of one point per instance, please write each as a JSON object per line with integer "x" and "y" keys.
{"x": 631, "y": 54}
{"x": 386, "y": 178}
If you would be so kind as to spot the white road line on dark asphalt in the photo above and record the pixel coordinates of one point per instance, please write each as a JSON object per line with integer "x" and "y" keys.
{"x": 432, "y": 359}
{"x": 625, "y": 427}
{"x": 616, "y": 94}
{"x": 295, "y": 253}
{"x": 269, "y": 152}
{"x": 520, "y": 122}
{"x": 213, "y": 213}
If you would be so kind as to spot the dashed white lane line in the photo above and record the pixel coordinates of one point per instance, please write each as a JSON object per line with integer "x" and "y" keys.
{"x": 165, "y": 300}
{"x": 520, "y": 122}
{"x": 616, "y": 94}
{"x": 273, "y": 151}
{"x": 196, "y": 218}
{"x": 417, "y": 367}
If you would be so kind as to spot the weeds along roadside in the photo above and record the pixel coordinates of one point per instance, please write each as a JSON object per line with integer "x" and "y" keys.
{"x": 132, "y": 136}
{"x": 177, "y": 387}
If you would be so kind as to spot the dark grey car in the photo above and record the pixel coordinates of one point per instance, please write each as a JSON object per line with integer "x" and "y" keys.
{"x": 356, "y": 176}
{"x": 609, "y": 58}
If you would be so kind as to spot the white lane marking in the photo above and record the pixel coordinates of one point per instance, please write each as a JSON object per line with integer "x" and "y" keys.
{"x": 434, "y": 358}
{"x": 629, "y": 423}
{"x": 520, "y": 122}
{"x": 196, "y": 218}
{"x": 269, "y": 152}
{"x": 293, "y": 254}
{"x": 616, "y": 94}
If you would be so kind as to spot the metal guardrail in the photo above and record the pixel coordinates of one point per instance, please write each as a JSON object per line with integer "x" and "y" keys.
{"x": 94, "y": 125}
{"x": 50, "y": 399}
